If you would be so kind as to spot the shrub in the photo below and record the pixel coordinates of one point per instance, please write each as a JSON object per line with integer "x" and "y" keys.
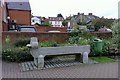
{"x": 73, "y": 40}
{"x": 115, "y": 33}
{"x": 22, "y": 42}
{"x": 78, "y": 40}
{"x": 107, "y": 43}
{"x": 83, "y": 41}
{"x": 17, "y": 54}
{"x": 48, "y": 44}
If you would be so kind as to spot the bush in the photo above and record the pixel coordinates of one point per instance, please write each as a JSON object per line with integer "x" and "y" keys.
{"x": 107, "y": 43}
{"x": 17, "y": 54}
{"x": 78, "y": 40}
{"x": 48, "y": 44}
{"x": 73, "y": 40}
{"x": 115, "y": 33}
{"x": 22, "y": 42}
{"x": 83, "y": 41}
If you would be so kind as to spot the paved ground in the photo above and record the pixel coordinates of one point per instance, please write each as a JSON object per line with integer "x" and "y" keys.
{"x": 110, "y": 70}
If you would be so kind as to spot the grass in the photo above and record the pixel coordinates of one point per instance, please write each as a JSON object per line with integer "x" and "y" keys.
{"x": 102, "y": 59}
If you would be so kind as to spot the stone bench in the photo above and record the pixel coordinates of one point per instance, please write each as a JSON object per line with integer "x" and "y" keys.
{"x": 40, "y": 53}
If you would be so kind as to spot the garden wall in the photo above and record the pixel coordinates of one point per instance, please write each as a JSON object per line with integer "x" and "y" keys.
{"x": 46, "y": 29}
{"x": 101, "y": 35}
{"x": 58, "y": 37}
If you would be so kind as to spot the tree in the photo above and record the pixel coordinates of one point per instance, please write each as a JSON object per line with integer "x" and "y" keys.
{"x": 60, "y": 15}
{"x": 64, "y": 23}
{"x": 115, "y": 33}
{"x": 99, "y": 23}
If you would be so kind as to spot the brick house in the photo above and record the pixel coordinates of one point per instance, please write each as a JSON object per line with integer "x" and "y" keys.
{"x": 3, "y": 15}
{"x": 19, "y": 13}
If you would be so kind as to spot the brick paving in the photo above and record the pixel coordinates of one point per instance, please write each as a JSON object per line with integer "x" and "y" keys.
{"x": 109, "y": 70}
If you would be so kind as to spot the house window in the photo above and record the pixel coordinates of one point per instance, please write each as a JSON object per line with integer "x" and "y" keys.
{"x": 58, "y": 22}
{"x": 60, "y": 18}
{"x": 55, "y": 22}
{"x": 33, "y": 20}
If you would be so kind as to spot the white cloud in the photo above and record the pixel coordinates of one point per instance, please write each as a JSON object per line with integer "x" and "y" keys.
{"x": 107, "y": 8}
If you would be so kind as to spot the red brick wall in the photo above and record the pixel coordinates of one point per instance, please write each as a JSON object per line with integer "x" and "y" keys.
{"x": 102, "y": 34}
{"x": 4, "y": 26}
{"x": 22, "y": 17}
{"x": 46, "y": 29}
{"x": 59, "y": 37}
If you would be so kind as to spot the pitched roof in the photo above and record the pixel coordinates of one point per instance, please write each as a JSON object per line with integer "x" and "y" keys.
{"x": 25, "y": 6}
{"x": 56, "y": 18}
{"x": 37, "y": 17}
{"x": 69, "y": 18}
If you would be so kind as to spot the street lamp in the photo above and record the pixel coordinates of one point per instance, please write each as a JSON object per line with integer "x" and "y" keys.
{"x": 8, "y": 18}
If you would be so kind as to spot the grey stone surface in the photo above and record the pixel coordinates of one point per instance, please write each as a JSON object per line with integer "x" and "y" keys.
{"x": 60, "y": 51}
{"x": 85, "y": 57}
{"x": 40, "y": 61}
{"x": 34, "y": 42}
{"x": 40, "y": 53}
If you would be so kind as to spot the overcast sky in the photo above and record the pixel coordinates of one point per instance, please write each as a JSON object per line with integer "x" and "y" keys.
{"x": 46, "y": 8}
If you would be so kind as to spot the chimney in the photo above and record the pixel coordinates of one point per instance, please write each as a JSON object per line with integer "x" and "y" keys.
{"x": 90, "y": 14}
{"x": 78, "y": 13}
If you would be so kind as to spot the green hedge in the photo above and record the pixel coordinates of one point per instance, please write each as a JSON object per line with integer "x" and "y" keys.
{"x": 22, "y": 42}
{"x": 17, "y": 54}
{"x": 48, "y": 44}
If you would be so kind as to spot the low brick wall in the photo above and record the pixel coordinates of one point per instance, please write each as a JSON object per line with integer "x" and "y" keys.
{"x": 58, "y": 37}
{"x": 102, "y": 34}
{"x": 46, "y": 28}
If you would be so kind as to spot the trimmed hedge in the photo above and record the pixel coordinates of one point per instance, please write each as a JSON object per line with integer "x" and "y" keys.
{"x": 22, "y": 42}
{"x": 17, "y": 54}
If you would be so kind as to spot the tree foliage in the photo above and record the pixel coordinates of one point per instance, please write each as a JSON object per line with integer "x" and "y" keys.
{"x": 99, "y": 23}
{"x": 115, "y": 33}
{"x": 64, "y": 23}
{"x": 60, "y": 15}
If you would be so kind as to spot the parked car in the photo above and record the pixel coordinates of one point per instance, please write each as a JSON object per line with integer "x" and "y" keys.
{"x": 54, "y": 31}
{"x": 105, "y": 30}
{"x": 26, "y": 29}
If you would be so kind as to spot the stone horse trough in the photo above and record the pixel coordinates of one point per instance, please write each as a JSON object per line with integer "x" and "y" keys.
{"x": 40, "y": 52}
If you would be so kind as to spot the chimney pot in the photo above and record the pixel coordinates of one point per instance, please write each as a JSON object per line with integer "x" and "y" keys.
{"x": 90, "y": 14}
